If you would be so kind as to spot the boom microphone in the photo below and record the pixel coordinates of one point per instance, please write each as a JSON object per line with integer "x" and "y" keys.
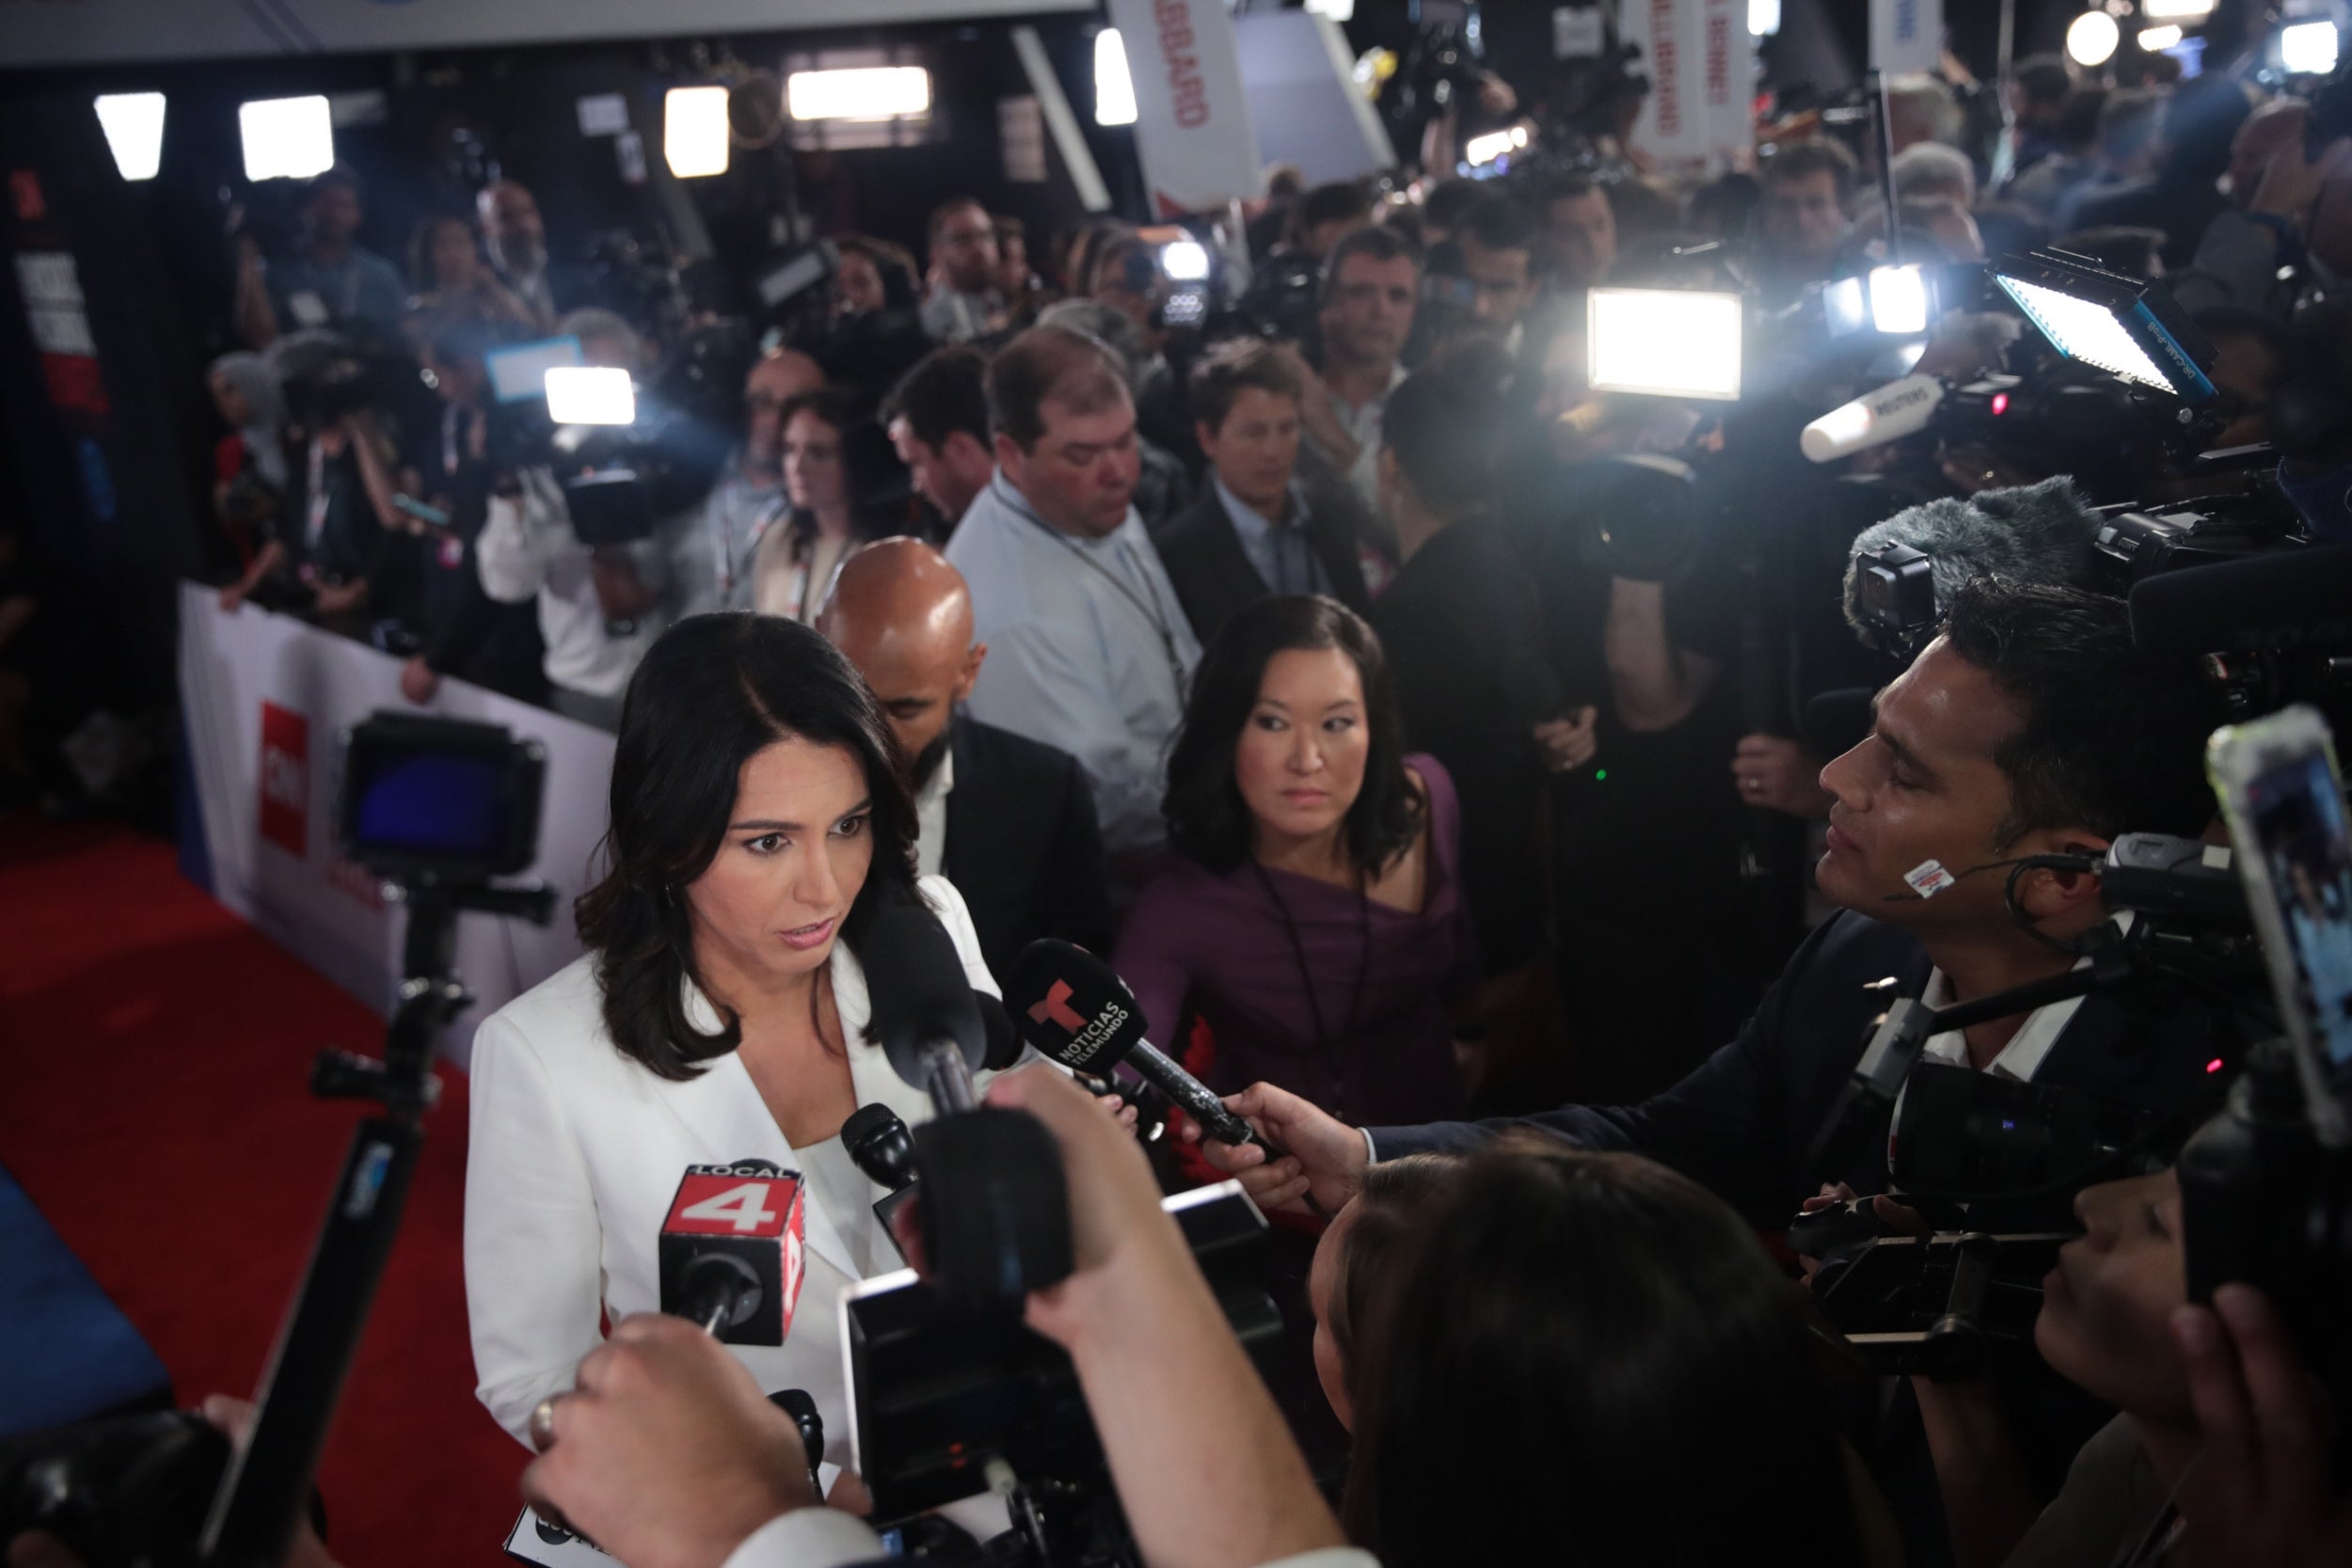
{"x": 730, "y": 1252}
{"x": 2034, "y": 533}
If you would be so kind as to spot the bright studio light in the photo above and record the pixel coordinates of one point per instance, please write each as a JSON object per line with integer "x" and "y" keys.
{"x": 2175, "y": 10}
{"x": 1673, "y": 342}
{"x": 133, "y": 123}
{"x": 1185, "y": 261}
{"x": 694, "y": 130}
{"x": 2308, "y": 48}
{"x": 1899, "y": 300}
{"x": 871, "y": 92}
{"x": 1480, "y": 150}
{"x": 2091, "y": 38}
{"x": 591, "y": 395}
{"x": 1763, "y": 18}
{"x": 1114, "y": 89}
{"x": 286, "y": 138}
{"x": 2155, "y": 40}
{"x": 2081, "y": 330}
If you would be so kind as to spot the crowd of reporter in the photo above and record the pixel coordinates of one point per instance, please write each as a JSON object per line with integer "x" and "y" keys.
{"x": 1269, "y": 666}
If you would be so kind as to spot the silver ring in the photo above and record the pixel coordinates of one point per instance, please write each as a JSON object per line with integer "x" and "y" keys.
{"x": 541, "y": 1425}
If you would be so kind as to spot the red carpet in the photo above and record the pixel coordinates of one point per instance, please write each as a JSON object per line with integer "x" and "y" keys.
{"x": 154, "y": 1057}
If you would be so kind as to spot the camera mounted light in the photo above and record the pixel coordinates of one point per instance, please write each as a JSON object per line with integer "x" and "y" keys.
{"x": 2126, "y": 327}
{"x": 2308, "y": 48}
{"x": 695, "y": 134}
{"x": 591, "y": 395}
{"x": 1667, "y": 342}
{"x": 1184, "y": 261}
{"x": 2092, "y": 39}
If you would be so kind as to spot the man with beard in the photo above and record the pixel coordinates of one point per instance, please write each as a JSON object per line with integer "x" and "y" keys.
{"x": 1009, "y": 820}
{"x": 519, "y": 247}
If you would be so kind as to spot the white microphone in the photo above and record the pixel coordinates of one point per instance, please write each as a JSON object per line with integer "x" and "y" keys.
{"x": 1897, "y": 409}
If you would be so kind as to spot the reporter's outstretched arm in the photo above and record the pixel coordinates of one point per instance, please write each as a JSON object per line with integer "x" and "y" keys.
{"x": 1204, "y": 1466}
{"x": 1324, "y": 1156}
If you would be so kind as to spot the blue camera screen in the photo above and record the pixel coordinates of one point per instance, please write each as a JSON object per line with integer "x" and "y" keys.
{"x": 435, "y": 803}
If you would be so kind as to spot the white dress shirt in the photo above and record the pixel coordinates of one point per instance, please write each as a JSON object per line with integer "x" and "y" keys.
{"x": 827, "y": 1538}
{"x": 1363, "y": 427}
{"x": 575, "y": 1152}
{"x": 930, "y": 814}
{"x": 1088, "y": 650}
{"x": 527, "y": 550}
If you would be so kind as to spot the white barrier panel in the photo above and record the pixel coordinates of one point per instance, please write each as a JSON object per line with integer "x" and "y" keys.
{"x": 1192, "y": 117}
{"x": 266, "y": 700}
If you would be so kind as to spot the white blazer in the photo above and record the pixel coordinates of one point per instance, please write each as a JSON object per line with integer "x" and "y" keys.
{"x": 575, "y": 1152}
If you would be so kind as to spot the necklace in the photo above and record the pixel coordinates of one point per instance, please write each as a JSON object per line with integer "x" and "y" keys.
{"x": 1327, "y": 1045}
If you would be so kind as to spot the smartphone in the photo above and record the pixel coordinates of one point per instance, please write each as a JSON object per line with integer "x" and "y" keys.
{"x": 2282, "y": 796}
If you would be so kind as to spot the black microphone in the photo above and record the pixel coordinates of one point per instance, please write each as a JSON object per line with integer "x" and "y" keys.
{"x": 730, "y": 1251}
{"x": 923, "y": 1008}
{"x": 796, "y": 1404}
{"x": 1074, "y": 1007}
{"x": 880, "y": 1145}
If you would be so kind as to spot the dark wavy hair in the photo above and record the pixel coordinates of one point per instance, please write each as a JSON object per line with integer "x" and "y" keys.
{"x": 714, "y": 690}
{"x": 1208, "y": 822}
{"x": 1588, "y": 1360}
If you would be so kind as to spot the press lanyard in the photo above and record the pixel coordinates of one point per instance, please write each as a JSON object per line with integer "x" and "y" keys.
{"x": 1151, "y": 610}
{"x": 751, "y": 546}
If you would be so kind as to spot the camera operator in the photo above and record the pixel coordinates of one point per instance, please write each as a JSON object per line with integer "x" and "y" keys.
{"x": 716, "y": 565}
{"x": 2222, "y": 1451}
{"x": 2291, "y": 210}
{"x": 667, "y": 1457}
{"x": 466, "y": 632}
{"x": 599, "y": 607}
{"x": 330, "y": 282}
{"x": 1370, "y": 286}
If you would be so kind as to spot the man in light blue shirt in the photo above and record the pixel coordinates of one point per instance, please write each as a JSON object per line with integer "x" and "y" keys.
{"x": 1089, "y": 649}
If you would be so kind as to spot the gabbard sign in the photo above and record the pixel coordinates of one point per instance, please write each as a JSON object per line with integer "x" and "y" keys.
{"x": 1192, "y": 122}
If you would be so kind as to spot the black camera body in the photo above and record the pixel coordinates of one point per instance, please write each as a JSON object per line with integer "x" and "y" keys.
{"x": 948, "y": 1401}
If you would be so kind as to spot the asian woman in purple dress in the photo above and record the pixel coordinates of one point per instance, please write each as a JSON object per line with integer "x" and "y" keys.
{"x": 1312, "y": 914}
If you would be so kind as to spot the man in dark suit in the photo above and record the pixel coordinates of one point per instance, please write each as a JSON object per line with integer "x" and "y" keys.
{"x": 1009, "y": 820}
{"x": 1256, "y": 529}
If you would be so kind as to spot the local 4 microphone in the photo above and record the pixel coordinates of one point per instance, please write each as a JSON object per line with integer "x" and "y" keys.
{"x": 880, "y": 1145}
{"x": 730, "y": 1255}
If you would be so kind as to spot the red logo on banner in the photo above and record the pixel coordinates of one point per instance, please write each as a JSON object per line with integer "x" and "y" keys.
{"x": 25, "y": 187}
{"x": 286, "y": 779}
{"x": 74, "y": 384}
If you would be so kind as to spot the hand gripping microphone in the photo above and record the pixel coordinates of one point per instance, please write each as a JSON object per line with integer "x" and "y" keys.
{"x": 1074, "y": 1009}
{"x": 730, "y": 1252}
{"x": 995, "y": 1209}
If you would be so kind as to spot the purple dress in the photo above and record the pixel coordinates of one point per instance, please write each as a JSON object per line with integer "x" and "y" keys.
{"x": 1215, "y": 945}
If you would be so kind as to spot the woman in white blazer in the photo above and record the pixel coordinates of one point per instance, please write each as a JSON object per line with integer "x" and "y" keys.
{"x": 759, "y": 821}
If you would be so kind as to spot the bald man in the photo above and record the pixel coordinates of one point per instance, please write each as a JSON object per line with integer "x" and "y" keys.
{"x": 715, "y": 562}
{"x": 1009, "y": 820}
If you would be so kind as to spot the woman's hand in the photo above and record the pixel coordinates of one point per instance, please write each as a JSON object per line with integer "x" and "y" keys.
{"x": 1779, "y": 774}
{"x": 1567, "y": 744}
{"x": 2263, "y": 1495}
